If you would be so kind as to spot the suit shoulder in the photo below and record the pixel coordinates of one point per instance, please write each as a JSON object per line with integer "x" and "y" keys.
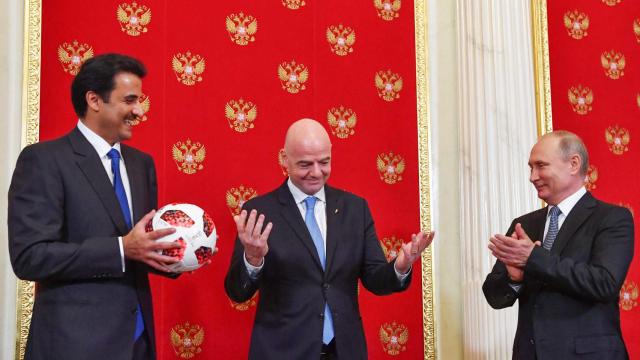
{"x": 530, "y": 215}
{"x": 46, "y": 148}
{"x": 606, "y": 208}
{"x": 262, "y": 201}
{"x": 135, "y": 152}
{"x": 346, "y": 195}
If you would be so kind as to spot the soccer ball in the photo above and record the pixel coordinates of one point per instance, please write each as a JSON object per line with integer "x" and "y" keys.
{"x": 195, "y": 231}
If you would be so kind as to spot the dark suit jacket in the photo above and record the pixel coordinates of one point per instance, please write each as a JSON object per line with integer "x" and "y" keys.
{"x": 568, "y": 303}
{"x": 293, "y": 287}
{"x": 64, "y": 220}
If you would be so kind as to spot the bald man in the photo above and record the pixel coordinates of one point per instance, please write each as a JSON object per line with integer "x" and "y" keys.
{"x": 305, "y": 253}
{"x": 564, "y": 263}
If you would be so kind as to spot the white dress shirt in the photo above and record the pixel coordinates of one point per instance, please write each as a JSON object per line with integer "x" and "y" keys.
{"x": 102, "y": 147}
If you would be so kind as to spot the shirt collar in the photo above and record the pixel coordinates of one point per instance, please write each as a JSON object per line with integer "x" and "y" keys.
{"x": 299, "y": 195}
{"x": 101, "y": 146}
{"x": 567, "y": 204}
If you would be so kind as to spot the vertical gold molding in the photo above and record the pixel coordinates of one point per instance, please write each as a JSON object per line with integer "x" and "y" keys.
{"x": 30, "y": 128}
{"x": 422, "y": 101}
{"x": 541, "y": 67}
{"x": 30, "y": 135}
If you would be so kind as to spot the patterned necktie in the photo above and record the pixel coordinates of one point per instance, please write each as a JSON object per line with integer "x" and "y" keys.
{"x": 552, "y": 232}
{"x": 114, "y": 155}
{"x": 316, "y": 235}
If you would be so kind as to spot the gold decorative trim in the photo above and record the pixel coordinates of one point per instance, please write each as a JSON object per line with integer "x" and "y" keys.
{"x": 30, "y": 132}
{"x": 30, "y": 135}
{"x": 424, "y": 123}
{"x": 541, "y": 67}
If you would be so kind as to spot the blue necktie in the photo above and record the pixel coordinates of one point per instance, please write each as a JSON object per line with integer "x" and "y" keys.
{"x": 114, "y": 155}
{"x": 316, "y": 235}
{"x": 552, "y": 232}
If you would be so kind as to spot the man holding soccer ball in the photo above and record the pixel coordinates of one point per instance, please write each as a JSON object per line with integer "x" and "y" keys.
{"x": 77, "y": 220}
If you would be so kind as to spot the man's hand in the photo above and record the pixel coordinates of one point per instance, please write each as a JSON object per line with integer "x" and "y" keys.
{"x": 513, "y": 250}
{"x": 140, "y": 245}
{"x": 411, "y": 251}
{"x": 253, "y": 239}
{"x": 515, "y": 274}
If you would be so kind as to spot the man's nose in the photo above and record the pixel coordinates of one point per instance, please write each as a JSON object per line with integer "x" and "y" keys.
{"x": 315, "y": 170}
{"x": 137, "y": 109}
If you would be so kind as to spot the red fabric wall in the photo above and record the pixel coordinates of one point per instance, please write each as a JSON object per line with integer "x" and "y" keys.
{"x": 585, "y": 39}
{"x": 242, "y": 161}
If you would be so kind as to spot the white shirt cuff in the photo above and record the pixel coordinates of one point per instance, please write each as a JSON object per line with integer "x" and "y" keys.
{"x": 402, "y": 277}
{"x": 253, "y": 271}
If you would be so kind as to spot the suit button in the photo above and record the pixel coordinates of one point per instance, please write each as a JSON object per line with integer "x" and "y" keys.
{"x": 532, "y": 342}
{"x": 321, "y": 316}
{"x": 326, "y": 286}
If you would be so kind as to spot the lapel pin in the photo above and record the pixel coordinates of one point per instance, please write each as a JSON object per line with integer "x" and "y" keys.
{"x": 335, "y": 211}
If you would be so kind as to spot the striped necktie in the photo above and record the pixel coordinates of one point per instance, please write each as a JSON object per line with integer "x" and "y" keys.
{"x": 552, "y": 232}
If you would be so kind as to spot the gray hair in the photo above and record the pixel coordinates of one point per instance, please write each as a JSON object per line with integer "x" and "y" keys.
{"x": 571, "y": 144}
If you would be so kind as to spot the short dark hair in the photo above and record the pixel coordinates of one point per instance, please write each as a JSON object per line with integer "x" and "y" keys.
{"x": 97, "y": 74}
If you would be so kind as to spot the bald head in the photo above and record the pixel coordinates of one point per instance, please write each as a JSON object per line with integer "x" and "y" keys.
{"x": 307, "y": 155}
{"x": 305, "y": 133}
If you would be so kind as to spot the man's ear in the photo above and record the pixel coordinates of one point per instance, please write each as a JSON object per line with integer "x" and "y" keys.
{"x": 576, "y": 163}
{"x": 283, "y": 156}
{"x": 93, "y": 100}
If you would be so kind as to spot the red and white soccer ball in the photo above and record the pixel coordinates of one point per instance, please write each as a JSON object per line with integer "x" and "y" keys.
{"x": 195, "y": 231}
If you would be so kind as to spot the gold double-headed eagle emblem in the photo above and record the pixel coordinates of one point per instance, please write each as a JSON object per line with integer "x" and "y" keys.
{"x": 133, "y": 18}
{"x": 391, "y": 246}
{"x": 241, "y": 114}
{"x": 618, "y": 139}
{"x": 73, "y": 55}
{"x": 342, "y": 121}
{"x": 576, "y": 23}
{"x": 242, "y": 28}
{"x": 394, "y": 338}
{"x": 245, "y": 305}
{"x": 636, "y": 29}
{"x": 293, "y": 4}
{"x": 237, "y": 196}
{"x": 387, "y": 9}
{"x": 390, "y": 167}
{"x": 145, "y": 103}
{"x": 188, "y": 156}
{"x": 293, "y": 76}
{"x": 341, "y": 38}
{"x": 186, "y": 340}
{"x": 629, "y": 295}
{"x": 591, "y": 178}
{"x": 188, "y": 67}
{"x": 613, "y": 63}
{"x": 580, "y": 98}
{"x": 388, "y": 84}
{"x": 612, "y": 2}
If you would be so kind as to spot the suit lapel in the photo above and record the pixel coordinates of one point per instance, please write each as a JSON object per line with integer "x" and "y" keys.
{"x": 333, "y": 224}
{"x": 291, "y": 214}
{"x": 538, "y": 221}
{"x": 580, "y": 212}
{"x": 136, "y": 181}
{"x": 91, "y": 166}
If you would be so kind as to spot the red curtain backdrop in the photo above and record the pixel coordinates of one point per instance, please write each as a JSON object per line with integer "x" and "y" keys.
{"x": 225, "y": 81}
{"x": 594, "y": 53}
